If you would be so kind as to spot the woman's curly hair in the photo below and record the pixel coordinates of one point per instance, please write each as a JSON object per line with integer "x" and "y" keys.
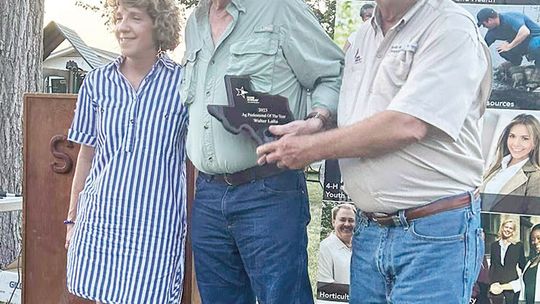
{"x": 165, "y": 15}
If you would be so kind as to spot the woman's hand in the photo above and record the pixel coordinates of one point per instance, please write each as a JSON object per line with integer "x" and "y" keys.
{"x": 496, "y": 288}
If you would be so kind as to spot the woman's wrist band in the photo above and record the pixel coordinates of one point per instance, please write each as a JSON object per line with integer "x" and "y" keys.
{"x": 69, "y": 222}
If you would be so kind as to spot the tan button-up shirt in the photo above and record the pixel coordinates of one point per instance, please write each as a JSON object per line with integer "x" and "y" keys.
{"x": 434, "y": 65}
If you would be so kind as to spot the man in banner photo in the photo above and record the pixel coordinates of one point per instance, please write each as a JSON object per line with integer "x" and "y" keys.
{"x": 415, "y": 85}
{"x": 521, "y": 35}
{"x": 335, "y": 251}
{"x": 249, "y": 231}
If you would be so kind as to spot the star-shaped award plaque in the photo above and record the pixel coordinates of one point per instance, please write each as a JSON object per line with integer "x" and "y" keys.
{"x": 250, "y": 112}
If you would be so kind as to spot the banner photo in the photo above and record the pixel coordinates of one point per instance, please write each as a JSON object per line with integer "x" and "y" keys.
{"x": 509, "y": 275}
{"x": 511, "y": 122}
{"x": 510, "y": 146}
{"x": 333, "y": 274}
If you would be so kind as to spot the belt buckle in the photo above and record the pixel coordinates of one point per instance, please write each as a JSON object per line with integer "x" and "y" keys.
{"x": 395, "y": 221}
{"x": 226, "y": 179}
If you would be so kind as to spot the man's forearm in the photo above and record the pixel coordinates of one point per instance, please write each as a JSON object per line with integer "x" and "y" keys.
{"x": 380, "y": 134}
{"x": 522, "y": 34}
{"x": 383, "y": 133}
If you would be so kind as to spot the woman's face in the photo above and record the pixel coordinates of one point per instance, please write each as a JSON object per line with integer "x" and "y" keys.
{"x": 535, "y": 239}
{"x": 520, "y": 144}
{"x": 134, "y": 32}
{"x": 508, "y": 230}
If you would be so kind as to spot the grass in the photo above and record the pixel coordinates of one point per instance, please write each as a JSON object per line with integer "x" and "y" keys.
{"x": 314, "y": 228}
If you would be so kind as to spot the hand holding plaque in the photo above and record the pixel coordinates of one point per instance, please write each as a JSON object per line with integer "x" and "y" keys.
{"x": 251, "y": 112}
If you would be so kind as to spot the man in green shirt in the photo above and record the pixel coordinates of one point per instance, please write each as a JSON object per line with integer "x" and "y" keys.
{"x": 249, "y": 222}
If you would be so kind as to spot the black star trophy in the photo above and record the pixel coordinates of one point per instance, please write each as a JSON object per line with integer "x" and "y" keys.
{"x": 251, "y": 112}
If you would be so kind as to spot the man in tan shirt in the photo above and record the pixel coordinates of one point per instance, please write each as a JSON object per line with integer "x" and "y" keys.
{"x": 415, "y": 85}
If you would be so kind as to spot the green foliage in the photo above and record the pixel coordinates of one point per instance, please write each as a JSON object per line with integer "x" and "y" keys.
{"x": 326, "y": 218}
{"x": 188, "y": 3}
{"x": 345, "y": 22}
{"x": 314, "y": 231}
{"x": 347, "y": 19}
{"x": 324, "y": 10}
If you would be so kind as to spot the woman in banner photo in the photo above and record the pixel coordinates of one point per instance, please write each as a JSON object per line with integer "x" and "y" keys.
{"x": 530, "y": 275}
{"x": 507, "y": 255}
{"x": 126, "y": 223}
{"x": 530, "y": 278}
{"x": 512, "y": 183}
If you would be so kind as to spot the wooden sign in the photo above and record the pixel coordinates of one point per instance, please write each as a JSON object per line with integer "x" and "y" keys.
{"x": 49, "y": 165}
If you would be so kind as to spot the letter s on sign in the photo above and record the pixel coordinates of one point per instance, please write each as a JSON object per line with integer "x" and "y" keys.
{"x": 67, "y": 165}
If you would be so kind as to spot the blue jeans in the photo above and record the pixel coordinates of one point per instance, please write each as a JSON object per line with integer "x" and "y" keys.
{"x": 534, "y": 51}
{"x": 434, "y": 259}
{"x": 250, "y": 241}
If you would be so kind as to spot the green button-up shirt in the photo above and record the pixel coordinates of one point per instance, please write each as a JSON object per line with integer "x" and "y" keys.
{"x": 284, "y": 50}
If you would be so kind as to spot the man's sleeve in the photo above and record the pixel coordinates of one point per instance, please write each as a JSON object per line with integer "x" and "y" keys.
{"x": 516, "y": 21}
{"x": 82, "y": 129}
{"x": 326, "y": 265}
{"x": 315, "y": 59}
{"x": 445, "y": 77}
{"x": 489, "y": 38}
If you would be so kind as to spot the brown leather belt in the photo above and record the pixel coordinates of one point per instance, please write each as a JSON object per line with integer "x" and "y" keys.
{"x": 244, "y": 176}
{"x": 440, "y": 205}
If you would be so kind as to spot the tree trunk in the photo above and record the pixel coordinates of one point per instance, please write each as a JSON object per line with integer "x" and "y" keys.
{"x": 21, "y": 48}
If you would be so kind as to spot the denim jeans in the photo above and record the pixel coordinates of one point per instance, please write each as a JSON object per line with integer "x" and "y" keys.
{"x": 249, "y": 241}
{"x": 434, "y": 259}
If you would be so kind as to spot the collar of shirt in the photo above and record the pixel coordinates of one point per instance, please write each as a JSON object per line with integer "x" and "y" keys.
{"x": 376, "y": 20}
{"x": 506, "y": 160}
{"x": 339, "y": 242}
{"x": 503, "y": 244}
{"x": 504, "y": 248}
{"x": 201, "y": 11}
{"x": 163, "y": 60}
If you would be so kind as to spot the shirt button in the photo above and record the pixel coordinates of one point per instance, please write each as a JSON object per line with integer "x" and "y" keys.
{"x": 207, "y": 93}
{"x": 212, "y": 62}
{"x": 166, "y": 115}
{"x": 210, "y": 158}
{"x": 132, "y": 121}
{"x": 206, "y": 127}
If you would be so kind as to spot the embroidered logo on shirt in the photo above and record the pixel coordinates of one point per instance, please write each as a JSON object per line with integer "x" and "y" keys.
{"x": 357, "y": 57}
{"x": 409, "y": 47}
{"x": 241, "y": 92}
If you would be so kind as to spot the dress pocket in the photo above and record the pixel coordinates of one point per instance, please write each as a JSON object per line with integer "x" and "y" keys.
{"x": 112, "y": 123}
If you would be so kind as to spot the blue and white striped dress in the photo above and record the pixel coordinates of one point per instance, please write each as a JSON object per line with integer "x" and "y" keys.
{"x": 128, "y": 240}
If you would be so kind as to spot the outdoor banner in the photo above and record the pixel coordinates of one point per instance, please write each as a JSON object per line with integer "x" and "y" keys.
{"x": 334, "y": 255}
{"x": 510, "y": 145}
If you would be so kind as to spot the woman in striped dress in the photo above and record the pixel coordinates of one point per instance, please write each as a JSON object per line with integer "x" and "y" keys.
{"x": 126, "y": 224}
